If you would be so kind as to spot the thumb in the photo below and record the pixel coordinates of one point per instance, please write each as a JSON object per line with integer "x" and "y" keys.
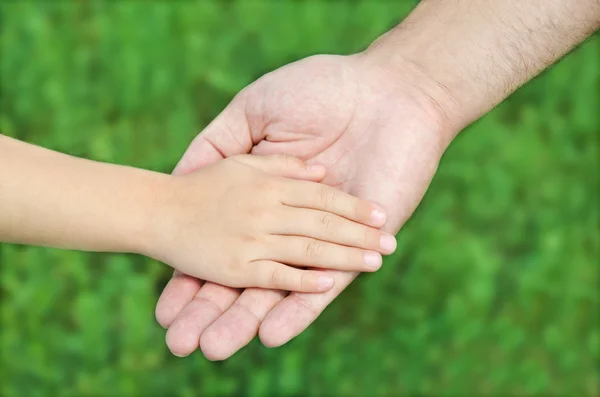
{"x": 227, "y": 135}
{"x": 285, "y": 166}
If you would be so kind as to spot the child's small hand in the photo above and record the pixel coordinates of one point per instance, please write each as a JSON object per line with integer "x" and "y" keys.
{"x": 243, "y": 221}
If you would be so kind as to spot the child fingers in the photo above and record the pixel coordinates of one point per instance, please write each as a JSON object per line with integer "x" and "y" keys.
{"x": 334, "y": 229}
{"x": 326, "y": 198}
{"x": 310, "y": 252}
{"x": 285, "y": 166}
{"x": 273, "y": 275}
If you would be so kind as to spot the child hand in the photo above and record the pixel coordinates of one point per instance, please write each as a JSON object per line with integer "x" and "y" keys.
{"x": 244, "y": 223}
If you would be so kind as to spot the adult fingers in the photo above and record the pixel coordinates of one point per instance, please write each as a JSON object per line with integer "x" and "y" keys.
{"x": 178, "y": 292}
{"x": 183, "y": 335}
{"x": 239, "y": 324}
{"x": 227, "y": 135}
{"x": 296, "y": 312}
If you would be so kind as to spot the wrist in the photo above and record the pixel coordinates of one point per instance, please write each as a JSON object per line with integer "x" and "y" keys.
{"x": 433, "y": 49}
{"x": 176, "y": 206}
{"x": 403, "y": 78}
{"x": 469, "y": 56}
{"x": 147, "y": 223}
{"x": 404, "y": 60}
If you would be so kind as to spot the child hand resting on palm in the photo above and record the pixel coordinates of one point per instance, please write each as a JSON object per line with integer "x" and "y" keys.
{"x": 246, "y": 221}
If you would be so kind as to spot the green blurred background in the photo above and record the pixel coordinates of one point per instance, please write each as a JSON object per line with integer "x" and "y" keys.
{"x": 493, "y": 290}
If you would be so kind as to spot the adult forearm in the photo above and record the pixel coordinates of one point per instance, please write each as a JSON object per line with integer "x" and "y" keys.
{"x": 51, "y": 199}
{"x": 477, "y": 52}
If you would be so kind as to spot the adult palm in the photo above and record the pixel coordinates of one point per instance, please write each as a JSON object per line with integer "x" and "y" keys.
{"x": 380, "y": 139}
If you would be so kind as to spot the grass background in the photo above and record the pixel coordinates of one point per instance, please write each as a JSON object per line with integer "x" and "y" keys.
{"x": 493, "y": 290}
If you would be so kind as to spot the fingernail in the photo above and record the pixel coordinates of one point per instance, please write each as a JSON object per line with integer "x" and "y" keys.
{"x": 378, "y": 217}
{"x": 325, "y": 282}
{"x": 373, "y": 260}
{"x": 315, "y": 168}
{"x": 388, "y": 243}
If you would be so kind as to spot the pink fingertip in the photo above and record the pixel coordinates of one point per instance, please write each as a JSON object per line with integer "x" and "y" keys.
{"x": 325, "y": 283}
{"x": 388, "y": 243}
{"x": 378, "y": 217}
{"x": 373, "y": 260}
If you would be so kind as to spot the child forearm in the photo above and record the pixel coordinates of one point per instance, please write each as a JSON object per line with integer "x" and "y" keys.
{"x": 51, "y": 199}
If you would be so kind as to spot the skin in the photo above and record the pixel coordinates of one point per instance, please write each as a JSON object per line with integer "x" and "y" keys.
{"x": 275, "y": 223}
{"x": 380, "y": 122}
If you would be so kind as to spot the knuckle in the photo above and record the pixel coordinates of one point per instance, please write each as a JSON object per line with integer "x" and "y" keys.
{"x": 276, "y": 277}
{"x": 304, "y": 280}
{"x": 328, "y": 222}
{"x": 269, "y": 186}
{"x": 292, "y": 162}
{"x": 327, "y": 196}
{"x": 234, "y": 265}
{"x": 263, "y": 221}
{"x": 259, "y": 212}
{"x": 263, "y": 184}
{"x": 248, "y": 239}
{"x": 306, "y": 304}
{"x": 235, "y": 271}
{"x": 314, "y": 249}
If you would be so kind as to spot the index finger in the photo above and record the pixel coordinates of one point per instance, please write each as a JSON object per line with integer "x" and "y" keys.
{"x": 304, "y": 194}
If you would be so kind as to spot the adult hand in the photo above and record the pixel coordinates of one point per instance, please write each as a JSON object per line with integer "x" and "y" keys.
{"x": 379, "y": 138}
{"x": 379, "y": 122}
